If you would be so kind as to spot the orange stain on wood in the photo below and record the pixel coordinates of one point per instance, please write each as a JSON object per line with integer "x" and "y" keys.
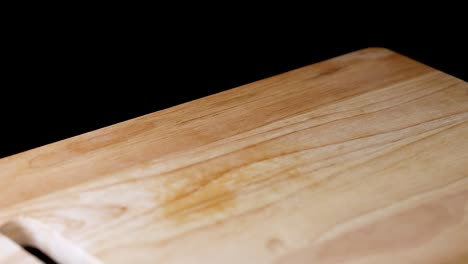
{"x": 211, "y": 201}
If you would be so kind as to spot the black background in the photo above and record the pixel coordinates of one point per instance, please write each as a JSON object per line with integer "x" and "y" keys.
{"x": 66, "y": 77}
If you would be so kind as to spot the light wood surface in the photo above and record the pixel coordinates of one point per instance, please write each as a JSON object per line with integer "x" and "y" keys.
{"x": 359, "y": 159}
{"x": 10, "y": 252}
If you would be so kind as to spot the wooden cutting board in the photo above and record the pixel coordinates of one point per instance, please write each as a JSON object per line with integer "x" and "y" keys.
{"x": 359, "y": 159}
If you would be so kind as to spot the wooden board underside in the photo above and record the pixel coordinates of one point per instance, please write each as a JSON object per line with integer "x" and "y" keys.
{"x": 359, "y": 159}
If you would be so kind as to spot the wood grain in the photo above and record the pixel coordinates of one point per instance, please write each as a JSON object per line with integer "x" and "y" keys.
{"x": 357, "y": 159}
